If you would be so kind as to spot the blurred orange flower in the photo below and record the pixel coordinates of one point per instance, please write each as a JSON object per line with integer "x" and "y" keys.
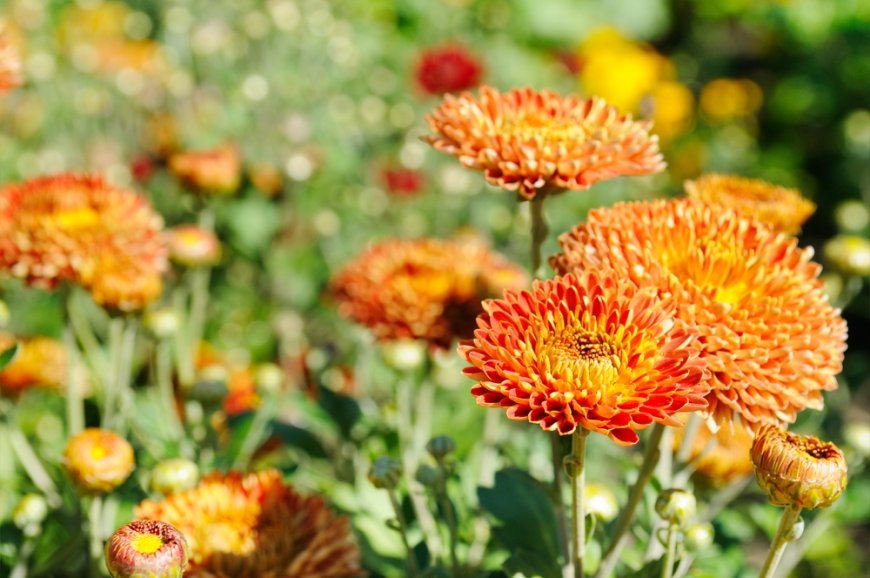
{"x": 524, "y": 140}
{"x": 193, "y": 246}
{"x": 589, "y": 351}
{"x": 781, "y": 208}
{"x": 256, "y": 525}
{"x": 720, "y": 457}
{"x": 425, "y": 288}
{"x": 40, "y": 361}
{"x": 772, "y": 342}
{"x": 216, "y": 171}
{"x": 98, "y": 460}
{"x": 79, "y": 228}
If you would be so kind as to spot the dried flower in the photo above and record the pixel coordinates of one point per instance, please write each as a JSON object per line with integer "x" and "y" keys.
{"x": 215, "y": 172}
{"x": 79, "y": 228}
{"x": 781, "y": 208}
{"x": 771, "y": 340}
{"x": 590, "y": 351}
{"x": 525, "y": 140}
{"x": 797, "y": 471}
{"x": 98, "y": 460}
{"x": 146, "y": 549}
{"x": 449, "y": 68}
{"x": 256, "y": 525}
{"x": 850, "y": 254}
{"x": 720, "y": 457}
{"x": 426, "y": 288}
{"x": 193, "y": 246}
{"x": 40, "y": 361}
{"x": 10, "y": 63}
{"x": 174, "y": 475}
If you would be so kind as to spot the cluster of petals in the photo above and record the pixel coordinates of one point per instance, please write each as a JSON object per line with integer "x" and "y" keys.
{"x": 771, "y": 341}
{"x": 427, "y": 288}
{"x": 79, "y": 228}
{"x": 526, "y": 140}
{"x": 587, "y": 351}
{"x": 781, "y": 208}
{"x": 256, "y": 525}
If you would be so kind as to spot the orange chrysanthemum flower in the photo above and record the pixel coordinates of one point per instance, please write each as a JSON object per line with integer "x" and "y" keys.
{"x": 798, "y": 471}
{"x": 771, "y": 340}
{"x": 98, "y": 460}
{"x": 217, "y": 171}
{"x": 425, "y": 288}
{"x": 256, "y": 525}
{"x": 10, "y": 64}
{"x": 780, "y": 208}
{"x": 592, "y": 351}
{"x": 81, "y": 229}
{"x": 720, "y": 457}
{"x": 525, "y": 140}
{"x": 40, "y": 361}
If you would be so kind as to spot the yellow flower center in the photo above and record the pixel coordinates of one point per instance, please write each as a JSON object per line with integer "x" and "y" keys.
{"x": 146, "y": 543}
{"x": 585, "y": 346}
{"x": 98, "y": 452}
{"x": 80, "y": 218}
{"x": 543, "y": 128}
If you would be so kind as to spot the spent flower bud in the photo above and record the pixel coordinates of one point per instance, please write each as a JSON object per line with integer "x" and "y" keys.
{"x": 385, "y": 473}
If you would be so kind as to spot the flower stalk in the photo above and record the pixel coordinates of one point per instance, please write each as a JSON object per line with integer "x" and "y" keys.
{"x": 577, "y": 469}
{"x": 783, "y": 536}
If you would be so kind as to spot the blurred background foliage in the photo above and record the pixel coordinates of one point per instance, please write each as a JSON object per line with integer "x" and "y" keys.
{"x": 323, "y": 102}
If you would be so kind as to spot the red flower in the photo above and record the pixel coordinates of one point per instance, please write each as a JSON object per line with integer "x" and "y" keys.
{"x": 449, "y": 68}
{"x": 402, "y": 182}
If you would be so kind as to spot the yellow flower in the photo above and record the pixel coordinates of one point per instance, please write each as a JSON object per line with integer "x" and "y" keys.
{"x": 781, "y": 208}
{"x": 726, "y": 99}
{"x": 98, "y": 460}
{"x": 526, "y": 140}
{"x": 795, "y": 470}
{"x": 256, "y": 525}
{"x": 673, "y": 106}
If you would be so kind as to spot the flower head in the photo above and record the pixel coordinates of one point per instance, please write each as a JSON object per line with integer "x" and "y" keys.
{"x": 771, "y": 340}
{"x": 449, "y": 68}
{"x": 586, "y": 351}
{"x": 216, "y": 171}
{"x": 720, "y": 457}
{"x": 780, "y": 208}
{"x": 98, "y": 460}
{"x": 10, "y": 64}
{"x": 795, "y": 470}
{"x": 401, "y": 182}
{"x": 79, "y": 228}
{"x": 193, "y": 246}
{"x": 40, "y": 361}
{"x": 146, "y": 549}
{"x": 524, "y": 140}
{"x": 256, "y": 525}
{"x": 425, "y": 288}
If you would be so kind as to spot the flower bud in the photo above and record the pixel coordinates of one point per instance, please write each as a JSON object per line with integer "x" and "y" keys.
{"x": 797, "y": 471}
{"x": 385, "y": 473}
{"x": 162, "y": 322}
{"x": 147, "y": 549}
{"x": 193, "y": 246}
{"x": 210, "y": 386}
{"x": 429, "y": 476}
{"x": 600, "y": 502}
{"x": 269, "y": 378}
{"x": 29, "y": 514}
{"x": 676, "y": 506}
{"x": 852, "y": 215}
{"x": 404, "y": 354}
{"x": 174, "y": 475}
{"x": 850, "y": 254}
{"x": 699, "y": 536}
{"x": 98, "y": 460}
{"x": 440, "y": 447}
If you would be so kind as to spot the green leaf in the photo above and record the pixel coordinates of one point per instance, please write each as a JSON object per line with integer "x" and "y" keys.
{"x": 528, "y": 528}
{"x": 343, "y": 409}
{"x": 8, "y": 355}
{"x": 299, "y": 438}
{"x": 650, "y": 570}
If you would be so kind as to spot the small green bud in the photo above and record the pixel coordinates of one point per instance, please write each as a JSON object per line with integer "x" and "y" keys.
{"x": 676, "y": 506}
{"x": 174, "y": 475}
{"x": 269, "y": 379}
{"x": 699, "y": 536}
{"x": 385, "y": 473}
{"x": 440, "y": 447}
{"x": 857, "y": 435}
{"x": 600, "y": 502}
{"x": 404, "y": 354}
{"x": 29, "y": 514}
{"x": 210, "y": 385}
{"x": 429, "y": 476}
{"x": 162, "y": 323}
{"x": 850, "y": 254}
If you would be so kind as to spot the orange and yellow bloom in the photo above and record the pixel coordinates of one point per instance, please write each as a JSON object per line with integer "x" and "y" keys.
{"x": 79, "y": 228}
{"x": 771, "y": 340}
{"x": 423, "y": 289}
{"x": 588, "y": 351}
{"x": 193, "y": 246}
{"x": 256, "y": 525}
{"x": 721, "y": 457}
{"x": 798, "y": 471}
{"x": 216, "y": 172}
{"x": 781, "y": 208}
{"x": 39, "y": 362}
{"x": 98, "y": 460}
{"x": 146, "y": 549}
{"x": 525, "y": 141}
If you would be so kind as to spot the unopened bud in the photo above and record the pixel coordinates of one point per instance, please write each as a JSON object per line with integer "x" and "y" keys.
{"x": 429, "y": 476}
{"x": 385, "y": 473}
{"x": 162, "y": 323}
{"x": 147, "y": 548}
{"x": 29, "y": 514}
{"x": 850, "y": 254}
{"x": 440, "y": 447}
{"x": 676, "y": 506}
{"x": 404, "y": 354}
{"x": 600, "y": 502}
{"x": 269, "y": 378}
{"x": 699, "y": 536}
{"x": 796, "y": 531}
{"x": 174, "y": 475}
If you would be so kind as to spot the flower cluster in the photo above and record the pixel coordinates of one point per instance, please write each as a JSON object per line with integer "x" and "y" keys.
{"x": 81, "y": 229}
{"x": 256, "y": 525}
{"x": 424, "y": 288}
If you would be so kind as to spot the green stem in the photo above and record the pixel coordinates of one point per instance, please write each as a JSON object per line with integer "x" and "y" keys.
{"x": 256, "y": 433}
{"x": 485, "y": 478}
{"x": 403, "y": 530}
{"x": 449, "y": 520}
{"x": 577, "y": 463}
{"x": 780, "y": 541}
{"x": 96, "y": 542}
{"x": 185, "y": 359}
{"x": 24, "y": 554}
{"x": 163, "y": 375}
{"x": 556, "y": 493}
{"x": 671, "y": 553}
{"x": 32, "y": 466}
{"x": 621, "y": 535}
{"x": 94, "y": 354}
{"x": 116, "y": 336}
{"x": 539, "y": 230}
{"x": 75, "y": 404}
